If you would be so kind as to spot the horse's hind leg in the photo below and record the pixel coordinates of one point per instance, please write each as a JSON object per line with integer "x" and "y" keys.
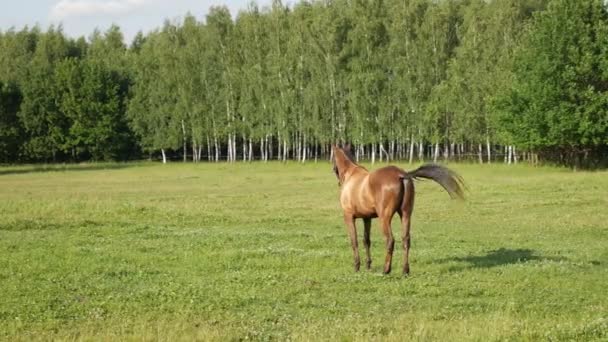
{"x": 407, "y": 208}
{"x": 405, "y": 219}
{"x": 385, "y": 221}
{"x": 367, "y": 241}
{"x": 349, "y": 220}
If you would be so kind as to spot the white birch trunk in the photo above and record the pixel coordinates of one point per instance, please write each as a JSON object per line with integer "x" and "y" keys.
{"x": 304, "y": 150}
{"x": 436, "y": 154}
{"x": 489, "y": 150}
{"x": 285, "y": 150}
{"x": 261, "y": 148}
{"x": 298, "y": 147}
{"x": 208, "y": 148}
{"x": 250, "y": 149}
{"x": 385, "y": 152}
{"x": 229, "y": 152}
{"x": 193, "y": 150}
{"x": 233, "y": 149}
{"x": 279, "y": 152}
{"x": 217, "y": 149}
{"x": 480, "y": 154}
{"x": 412, "y": 150}
{"x": 266, "y": 149}
{"x": 185, "y": 142}
{"x": 162, "y": 150}
{"x": 373, "y": 154}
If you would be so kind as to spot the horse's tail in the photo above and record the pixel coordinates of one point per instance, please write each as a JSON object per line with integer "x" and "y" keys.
{"x": 448, "y": 179}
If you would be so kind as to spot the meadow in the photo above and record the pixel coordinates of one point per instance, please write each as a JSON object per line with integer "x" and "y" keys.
{"x": 143, "y": 251}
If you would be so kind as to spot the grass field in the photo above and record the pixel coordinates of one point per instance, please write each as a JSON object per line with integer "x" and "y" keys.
{"x": 259, "y": 251}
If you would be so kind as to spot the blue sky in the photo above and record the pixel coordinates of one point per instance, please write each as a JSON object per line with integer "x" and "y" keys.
{"x": 81, "y": 17}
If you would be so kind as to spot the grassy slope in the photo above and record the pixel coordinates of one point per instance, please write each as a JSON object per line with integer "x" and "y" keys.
{"x": 259, "y": 251}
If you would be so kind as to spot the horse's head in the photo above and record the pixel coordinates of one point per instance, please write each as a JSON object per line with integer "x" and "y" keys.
{"x": 334, "y": 164}
{"x": 339, "y": 155}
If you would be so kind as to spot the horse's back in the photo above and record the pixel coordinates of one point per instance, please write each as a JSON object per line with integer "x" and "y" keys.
{"x": 387, "y": 176}
{"x": 387, "y": 186}
{"x": 368, "y": 194}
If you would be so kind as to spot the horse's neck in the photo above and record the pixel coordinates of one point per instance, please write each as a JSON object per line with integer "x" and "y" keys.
{"x": 342, "y": 162}
{"x": 346, "y": 167}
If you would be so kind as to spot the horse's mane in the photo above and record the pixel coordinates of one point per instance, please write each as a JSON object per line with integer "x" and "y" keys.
{"x": 348, "y": 153}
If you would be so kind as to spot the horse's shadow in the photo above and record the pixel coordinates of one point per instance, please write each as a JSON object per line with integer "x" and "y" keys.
{"x": 498, "y": 257}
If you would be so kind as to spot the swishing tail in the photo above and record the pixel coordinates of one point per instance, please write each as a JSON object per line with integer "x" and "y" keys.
{"x": 448, "y": 179}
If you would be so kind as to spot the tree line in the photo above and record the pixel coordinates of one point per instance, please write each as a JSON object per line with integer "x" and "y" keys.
{"x": 407, "y": 79}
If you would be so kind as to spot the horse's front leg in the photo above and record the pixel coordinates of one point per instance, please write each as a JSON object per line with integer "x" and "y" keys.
{"x": 349, "y": 220}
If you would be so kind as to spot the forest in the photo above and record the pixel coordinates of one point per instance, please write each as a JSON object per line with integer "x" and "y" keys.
{"x": 483, "y": 81}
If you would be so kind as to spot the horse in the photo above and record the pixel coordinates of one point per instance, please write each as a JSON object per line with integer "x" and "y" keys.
{"x": 380, "y": 194}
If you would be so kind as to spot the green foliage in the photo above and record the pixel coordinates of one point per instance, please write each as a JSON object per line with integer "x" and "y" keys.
{"x": 74, "y": 99}
{"x": 259, "y": 251}
{"x": 293, "y": 79}
{"x": 91, "y": 100}
{"x": 481, "y": 68}
{"x": 11, "y": 131}
{"x": 39, "y": 115}
{"x": 559, "y": 97}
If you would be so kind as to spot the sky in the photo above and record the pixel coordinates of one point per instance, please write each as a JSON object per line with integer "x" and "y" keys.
{"x": 81, "y": 17}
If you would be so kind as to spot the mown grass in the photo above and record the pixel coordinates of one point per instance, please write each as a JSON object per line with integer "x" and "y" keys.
{"x": 259, "y": 251}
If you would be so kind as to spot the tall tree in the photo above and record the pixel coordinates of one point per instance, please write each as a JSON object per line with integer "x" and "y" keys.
{"x": 11, "y": 131}
{"x": 368, "y": 41}
{"x": 151, "y": 107}
{"x": 558, "y": 102}
{"x": 45, "y": 126}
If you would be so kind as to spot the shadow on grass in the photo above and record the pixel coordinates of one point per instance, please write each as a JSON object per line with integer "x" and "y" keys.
{"x": 499, "y": 257}
{"x": 64, "y": 167}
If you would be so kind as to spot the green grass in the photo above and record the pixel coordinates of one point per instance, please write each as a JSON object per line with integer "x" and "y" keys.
{"x": 259, "y": 251}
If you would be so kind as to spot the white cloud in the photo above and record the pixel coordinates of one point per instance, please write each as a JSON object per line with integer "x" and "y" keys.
{"x": 71, "y": 8}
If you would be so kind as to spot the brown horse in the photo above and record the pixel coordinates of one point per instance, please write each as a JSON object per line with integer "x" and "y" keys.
{"x": 382, "y": 193}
